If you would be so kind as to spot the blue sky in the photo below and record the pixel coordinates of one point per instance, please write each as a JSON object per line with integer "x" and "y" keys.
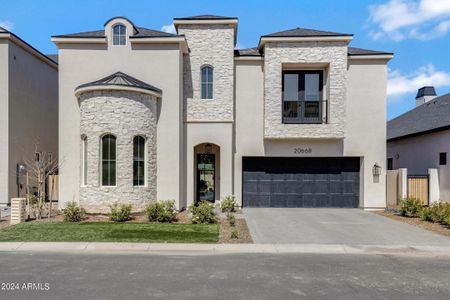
{"x": 417, "y": 31}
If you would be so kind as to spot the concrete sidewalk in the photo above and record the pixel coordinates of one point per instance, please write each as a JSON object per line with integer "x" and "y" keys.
{"x": 212, "y": 249}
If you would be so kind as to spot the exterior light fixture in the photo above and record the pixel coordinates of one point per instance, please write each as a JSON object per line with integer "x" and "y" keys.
{"x": 208, "y": 148}
{"x": 376, "y": 170}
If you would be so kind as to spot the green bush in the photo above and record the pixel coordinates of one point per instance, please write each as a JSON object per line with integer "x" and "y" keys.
{"x": 73, "y": 212}
{"x": 231, "y": 219}
{"x": 161, "y": 211}
{"x": 410, "y": 207}
{"x": 120, "y": 212}
{"x": 203, "y": 213}
{"x": 228, "y": 204}
{"x": 437, "y": 212}
{"x": 234, "y": 234}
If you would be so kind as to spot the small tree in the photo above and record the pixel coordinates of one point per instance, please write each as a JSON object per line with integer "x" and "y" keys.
{"x": 38, "y": 169}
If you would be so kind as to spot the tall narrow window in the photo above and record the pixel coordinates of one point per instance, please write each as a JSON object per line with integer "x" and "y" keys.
{"x": 443, "y": 158}
{"x": 207, "y": 82}
{"x": 83, "y": 160}
{"x": 108, "y": 152}
{"x": 138, "y": 161}
{"x": 119, "y": 34}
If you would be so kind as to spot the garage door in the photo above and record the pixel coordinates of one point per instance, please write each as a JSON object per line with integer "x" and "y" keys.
{"x": 301, "y": 182}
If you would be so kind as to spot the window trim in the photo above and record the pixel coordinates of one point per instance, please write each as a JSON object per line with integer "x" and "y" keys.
{"x": 144, "y": 159}
{"x": 119, "y": 35}
{"x": 323, "y": 103}
{"x": 442, "y": 158}
{"x": 207, "y": 83}
{"x": 101, "y": 160}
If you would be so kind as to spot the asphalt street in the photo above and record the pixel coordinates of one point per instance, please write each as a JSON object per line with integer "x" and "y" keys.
{"x": 234, "y": 276}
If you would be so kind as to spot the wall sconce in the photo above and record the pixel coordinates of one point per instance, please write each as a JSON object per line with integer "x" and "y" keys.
{"x": 376, "y": 170}
{"x": 208, "y": 148}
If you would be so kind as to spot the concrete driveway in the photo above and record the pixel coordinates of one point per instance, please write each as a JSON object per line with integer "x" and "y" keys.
{"x": 334, "y": 226}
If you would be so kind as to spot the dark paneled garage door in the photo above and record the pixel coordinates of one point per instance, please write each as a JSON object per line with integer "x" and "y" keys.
{"x": 301, "y": 182}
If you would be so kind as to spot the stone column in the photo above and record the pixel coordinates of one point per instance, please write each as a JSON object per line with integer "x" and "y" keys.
{"x": 18, "y": 212}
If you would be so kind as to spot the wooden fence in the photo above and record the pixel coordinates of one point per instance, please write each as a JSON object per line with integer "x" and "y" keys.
{"x": 418, "y": 188}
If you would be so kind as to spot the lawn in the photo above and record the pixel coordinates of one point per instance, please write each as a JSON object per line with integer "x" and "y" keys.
{"x": 45, "y": 231}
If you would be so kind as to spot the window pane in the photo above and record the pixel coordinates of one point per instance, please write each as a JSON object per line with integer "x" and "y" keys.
{"x": 209, "y": 75}
{"x": 210, "y": 91}
{"x": 138, "y": 160}
{"x": 105, "y": 173}
{"x": 108, "y": 160}
{"x": 112, "y": 173}
{"x": 290, "y": 87}
{"x": 290, "y": 109}
{"x": 312, "y": 89}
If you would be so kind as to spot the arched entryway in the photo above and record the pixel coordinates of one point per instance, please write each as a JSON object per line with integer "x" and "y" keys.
{"x": 206, "y": 172}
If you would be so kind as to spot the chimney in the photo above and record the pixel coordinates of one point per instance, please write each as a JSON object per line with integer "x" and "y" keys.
{"x": 425, "y": 94}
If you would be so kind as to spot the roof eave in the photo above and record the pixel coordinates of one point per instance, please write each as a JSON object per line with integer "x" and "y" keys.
{"x": 384, "y": 56}
{"x": 292, "y": 39}
{"x": 162, "y": 40}
{"x": 112, "y": 87}
{"x": 78, "y": 40}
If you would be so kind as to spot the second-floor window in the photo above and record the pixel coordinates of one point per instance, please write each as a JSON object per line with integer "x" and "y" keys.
{"x": 303, "y": 97}
{"x": 119, "y": 34}
{"x": 207, "y": 82}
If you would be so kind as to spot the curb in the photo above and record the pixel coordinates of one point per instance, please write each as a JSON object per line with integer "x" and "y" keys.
{"x": 217, "y": 249}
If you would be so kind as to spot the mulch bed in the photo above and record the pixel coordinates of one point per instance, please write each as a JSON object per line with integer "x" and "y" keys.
{"x": 435, "y": 227}
{"x": 225, "y": 230}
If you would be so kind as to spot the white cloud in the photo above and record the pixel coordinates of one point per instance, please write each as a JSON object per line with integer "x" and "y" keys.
{"x": 400, "y": 84}
{"x": 7, "y": 25}
{"x": 419, "y": 19}
{"x": 169, "y": 29}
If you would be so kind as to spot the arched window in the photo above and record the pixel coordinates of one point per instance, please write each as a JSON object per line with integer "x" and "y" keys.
{"x": 207, "y": 82}
{"x": 108, "y": 153}
{"x": 138, "y": 161}
{"x": 119, "y": 34}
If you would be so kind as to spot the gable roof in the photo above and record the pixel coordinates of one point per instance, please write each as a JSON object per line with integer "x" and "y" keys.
{"x": 429, "y": 117}
{"x": 206, "y": 17}
{"x": 304, "y": 32}
{"x": 352, "y": 51}
{"x": 140, "y": 32}
{"x": 122, "y": 80}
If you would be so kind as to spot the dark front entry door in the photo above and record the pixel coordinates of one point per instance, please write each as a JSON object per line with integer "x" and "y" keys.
{"x": 301, "y": 182}
{"x": 205, "y": 177}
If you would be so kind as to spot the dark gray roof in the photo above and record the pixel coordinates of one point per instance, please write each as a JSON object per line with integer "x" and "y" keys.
{"x": 304, "y": 32}
{"x": 352, "y": 51}
{"x": 431, "y": 116}
{"x": 247, "y": 52}
{"x": 207, "y": 17}
{"x": 121, "y": 79}
{"x": 426, "y": 91}
{"x": 140, "y": 32}
{"x": 53, "y": 57}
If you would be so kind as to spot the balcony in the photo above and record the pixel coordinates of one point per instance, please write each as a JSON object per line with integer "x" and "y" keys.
{"x": 305, "y": 112}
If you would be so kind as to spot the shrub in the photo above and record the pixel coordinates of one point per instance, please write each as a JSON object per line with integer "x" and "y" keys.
{"x": 120, "y": 212}
{"x": 73, "y": 212}
{"x": 426, "y": 214}
{"x": 161, "y": 211}
{"x": 228, "y": 204}
{"x": 203, "y": 213}
{"x": 438, "y": 212}
{"x": 234, "y": 234}
{"x": 410, "y": 207}
{"x": 231, "y": 219}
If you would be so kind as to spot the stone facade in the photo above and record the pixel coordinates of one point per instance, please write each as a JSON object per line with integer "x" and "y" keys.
{"x": 331, "y": 54}
{"x": 125, "y": 115}
{"x": 209, "y": 45}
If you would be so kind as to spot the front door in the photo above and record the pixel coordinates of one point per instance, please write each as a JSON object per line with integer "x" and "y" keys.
{"x": 205, "y": 177}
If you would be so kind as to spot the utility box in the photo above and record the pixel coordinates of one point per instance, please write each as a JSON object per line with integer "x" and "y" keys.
{"x": 18, "y": 210}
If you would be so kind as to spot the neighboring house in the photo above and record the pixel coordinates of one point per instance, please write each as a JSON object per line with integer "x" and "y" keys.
{"x": 420, "y": 138}
{"x": 28, "y": 109}
{"x": 298, "y": 121}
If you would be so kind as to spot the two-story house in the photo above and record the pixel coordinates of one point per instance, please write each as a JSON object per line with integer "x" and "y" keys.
{"x": 298, "y": 121}
{"x": 28, "y": 111}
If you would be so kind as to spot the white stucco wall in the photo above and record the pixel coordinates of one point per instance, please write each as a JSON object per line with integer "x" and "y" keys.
{"x": 4, "y": 121}
{"x": 427, "y": 148}
{"x": 157, "y": 64}
{"x": 366, "y": 126}
{"x": 33, "y": 109}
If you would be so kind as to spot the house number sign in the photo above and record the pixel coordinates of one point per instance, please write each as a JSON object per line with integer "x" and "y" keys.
{"x": 300, "y": 150}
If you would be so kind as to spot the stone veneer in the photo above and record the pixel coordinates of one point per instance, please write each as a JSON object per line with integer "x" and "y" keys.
{"x": 303, "y": 53}
{"x": 209, "y": 45}
{"x": 125, "y": 115}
